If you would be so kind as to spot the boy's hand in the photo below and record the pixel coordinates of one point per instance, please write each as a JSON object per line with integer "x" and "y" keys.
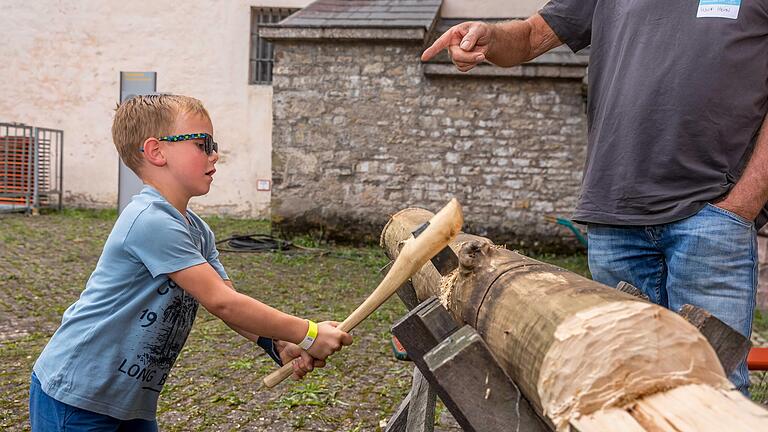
{"x": 329, "y": 340}
{"x": 304, "y": 363}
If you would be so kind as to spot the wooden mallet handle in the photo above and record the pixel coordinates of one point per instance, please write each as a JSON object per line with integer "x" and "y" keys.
{"x": 442, "y": 229}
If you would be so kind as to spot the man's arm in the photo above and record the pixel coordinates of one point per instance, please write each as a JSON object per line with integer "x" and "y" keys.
{"x": 750, "y": 193}
{"x": 504, "y": 44}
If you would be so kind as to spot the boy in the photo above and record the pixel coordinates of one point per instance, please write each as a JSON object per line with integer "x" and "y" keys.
{"x": 105, "y": 366}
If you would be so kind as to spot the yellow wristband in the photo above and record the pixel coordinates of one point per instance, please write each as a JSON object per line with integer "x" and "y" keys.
{"x": 309, "y": 339}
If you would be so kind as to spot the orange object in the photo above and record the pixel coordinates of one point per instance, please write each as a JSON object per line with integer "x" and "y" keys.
{"x": 16, "y": 164}
{"x": 758, "y": 359}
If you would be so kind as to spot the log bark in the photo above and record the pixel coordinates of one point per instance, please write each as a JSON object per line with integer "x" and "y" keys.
{"x": 577, "y": 349}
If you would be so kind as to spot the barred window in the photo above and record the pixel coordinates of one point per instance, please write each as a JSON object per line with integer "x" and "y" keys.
{"x": 262, "y": 52}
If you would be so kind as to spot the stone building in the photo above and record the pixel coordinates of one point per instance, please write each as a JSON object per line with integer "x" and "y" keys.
{"x": 362, "y": 128}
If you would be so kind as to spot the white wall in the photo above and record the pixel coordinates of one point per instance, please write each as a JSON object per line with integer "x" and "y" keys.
{"x": 490, "y": 8}
{"x": 60, "y": 69}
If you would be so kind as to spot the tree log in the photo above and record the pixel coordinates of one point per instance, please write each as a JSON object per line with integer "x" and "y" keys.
{"x": 581, "y": 352}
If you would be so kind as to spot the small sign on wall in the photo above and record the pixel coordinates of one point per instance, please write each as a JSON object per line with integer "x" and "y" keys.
{"x": 263, "y": 185}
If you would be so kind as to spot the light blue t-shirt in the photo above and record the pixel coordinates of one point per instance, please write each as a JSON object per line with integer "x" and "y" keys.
{"x": 118, "y": 341}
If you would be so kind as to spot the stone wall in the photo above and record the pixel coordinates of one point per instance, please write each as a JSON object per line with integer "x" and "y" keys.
{"x": 361, "y": 132}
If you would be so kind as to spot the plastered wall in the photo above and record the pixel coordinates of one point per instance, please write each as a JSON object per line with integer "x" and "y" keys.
{"x": 60, "y": 69}
{"x": 490, "y": 8}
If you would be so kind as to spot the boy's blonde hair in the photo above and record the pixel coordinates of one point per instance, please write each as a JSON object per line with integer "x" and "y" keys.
{"x": 142, "y": 117}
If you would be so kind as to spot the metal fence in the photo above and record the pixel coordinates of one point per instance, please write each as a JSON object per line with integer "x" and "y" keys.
{"x": 30, "y": 167}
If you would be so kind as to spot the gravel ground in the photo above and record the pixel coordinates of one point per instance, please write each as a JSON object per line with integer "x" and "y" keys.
{"x": 45, "y": 261}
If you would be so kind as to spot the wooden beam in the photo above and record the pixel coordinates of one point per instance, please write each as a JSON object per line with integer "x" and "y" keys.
{"x": 575, "y": 347}
{"x": 730, "y": 346}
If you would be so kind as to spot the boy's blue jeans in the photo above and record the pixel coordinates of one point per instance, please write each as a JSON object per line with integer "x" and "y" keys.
{"x": 707, "y": 260}
{"x": 46, "y": 414}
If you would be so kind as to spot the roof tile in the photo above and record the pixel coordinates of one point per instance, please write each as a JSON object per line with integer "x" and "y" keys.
{"x": 366, "y": 13}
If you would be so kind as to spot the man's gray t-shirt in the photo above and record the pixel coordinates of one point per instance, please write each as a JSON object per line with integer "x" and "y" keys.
{"x": 118, "y": 341}
{"x": 675, "y": 101}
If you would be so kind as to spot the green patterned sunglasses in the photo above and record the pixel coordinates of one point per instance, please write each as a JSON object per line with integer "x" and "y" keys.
{"x": 208, "y": 145}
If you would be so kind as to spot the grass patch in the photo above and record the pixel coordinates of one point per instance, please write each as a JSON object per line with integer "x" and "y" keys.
{"x": 576, "y": 263}
{"x": 760, "y": 324}
{"x": 214, "y": 385}
{"x": 81, "y": 213}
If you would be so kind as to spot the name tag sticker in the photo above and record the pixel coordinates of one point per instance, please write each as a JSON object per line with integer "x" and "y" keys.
{"x": 718, "y": 9}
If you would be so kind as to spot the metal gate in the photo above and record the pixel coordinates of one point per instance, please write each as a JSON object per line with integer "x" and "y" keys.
{"x": 30, "y": 167}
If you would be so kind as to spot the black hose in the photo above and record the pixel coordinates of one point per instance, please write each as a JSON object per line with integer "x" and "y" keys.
{"x": 254, "y": 243}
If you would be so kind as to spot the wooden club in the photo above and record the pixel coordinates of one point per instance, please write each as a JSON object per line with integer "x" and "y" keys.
{"x": 442, "y": 229}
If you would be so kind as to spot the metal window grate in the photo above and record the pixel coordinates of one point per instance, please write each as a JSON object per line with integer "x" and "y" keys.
{"x": 262, "y": 55}
{"x": 30, "y": 167}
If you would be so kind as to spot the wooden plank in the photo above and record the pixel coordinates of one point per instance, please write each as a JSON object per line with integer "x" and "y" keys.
{"x": 408, "y": 295}
{"x": 416, "y": 412}
{"x": 424, "y": 327}
{"x": 399, "y": 420}
{"x": 421, "y": 411}
{"x": 731, "y": 346}
{"x": 465, "y": 369}
{"x": 419, "y": 331}
{"x": 632, "y": 290}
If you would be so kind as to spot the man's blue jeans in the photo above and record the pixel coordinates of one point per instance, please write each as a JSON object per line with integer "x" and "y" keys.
{"x": 708, "y": 260}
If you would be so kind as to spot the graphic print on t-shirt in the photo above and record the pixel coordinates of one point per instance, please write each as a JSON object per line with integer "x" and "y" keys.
{"x": 165, "y": 332}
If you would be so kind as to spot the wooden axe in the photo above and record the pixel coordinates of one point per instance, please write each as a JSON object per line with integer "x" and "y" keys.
{"x": 442, "y": 229}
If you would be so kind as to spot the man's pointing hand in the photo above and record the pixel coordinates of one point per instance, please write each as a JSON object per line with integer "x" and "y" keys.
{"x": 467, "y": 44}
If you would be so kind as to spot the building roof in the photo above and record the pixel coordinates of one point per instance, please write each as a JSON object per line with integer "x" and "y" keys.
{"x": 407, "y": 20}
{"x": 366, "y": 14}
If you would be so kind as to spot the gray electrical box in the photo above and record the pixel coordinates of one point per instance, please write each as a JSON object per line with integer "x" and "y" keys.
{"x": 132, "y": 84}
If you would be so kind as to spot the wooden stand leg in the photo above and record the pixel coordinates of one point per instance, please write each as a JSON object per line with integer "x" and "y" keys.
{"x": 421, "y": 411}
{"x": 399, "y": 419}
{"x": 731, "y": 346}
{"x": 430, "y": 325}
{"x": 408, "y": 295}
{"x": 632, "y": 290}
{"x": 489, "y": 400}
{"x": 416, "y": 412}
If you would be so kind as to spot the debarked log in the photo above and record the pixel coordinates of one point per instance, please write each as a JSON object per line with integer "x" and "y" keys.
{"x": 584, "y": 354}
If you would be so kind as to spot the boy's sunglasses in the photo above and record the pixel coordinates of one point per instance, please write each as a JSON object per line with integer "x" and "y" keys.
{"x": 208, "y": 145}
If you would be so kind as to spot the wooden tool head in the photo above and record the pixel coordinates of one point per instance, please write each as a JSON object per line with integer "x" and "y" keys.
{"x": 443, "y": 227}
